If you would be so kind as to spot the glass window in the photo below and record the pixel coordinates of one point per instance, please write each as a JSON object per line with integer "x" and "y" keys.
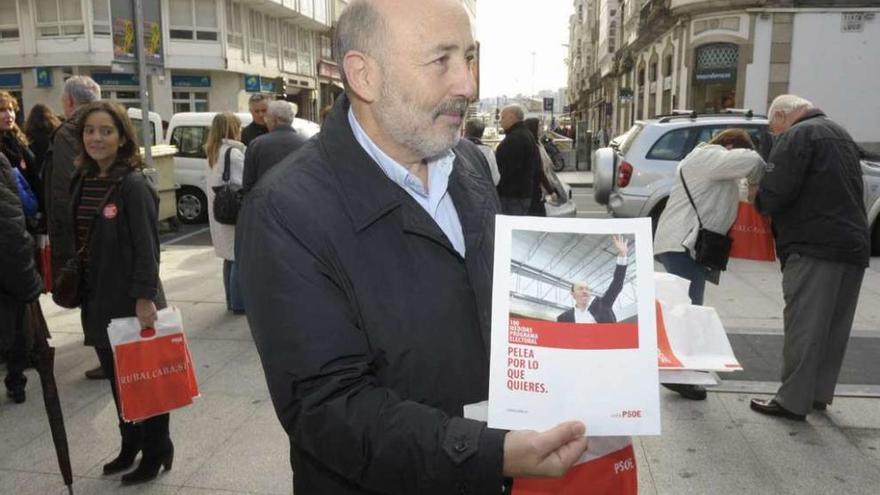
{"x": 8, "y": 20}
{"x": 255, "y": 35}
{"x": 757, "y": 134}
{"x": 59, "y": 18}
{"x": 327, "y": 48}
{"x": 189, "y": 101}
{"x": 206, "y": 13}
{"x": 138, "y": 126}
{"x": 234, "y": 35}
{"x": 193, "y": 20}
{"x": 674, "y": 145}
{"x": 181, "y": 13}
{"x": 190, "y": 141}
{"x": 321, "y": 11}
{"x": 101, "y": 17}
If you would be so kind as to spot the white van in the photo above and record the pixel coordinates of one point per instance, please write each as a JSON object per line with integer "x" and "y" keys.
{"x": 155, "y": 124}
{"x": 189, "y": 131}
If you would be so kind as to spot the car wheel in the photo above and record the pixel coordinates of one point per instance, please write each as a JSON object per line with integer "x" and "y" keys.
{"x": 655, "y": 215}
{"x": 192, "y": 206}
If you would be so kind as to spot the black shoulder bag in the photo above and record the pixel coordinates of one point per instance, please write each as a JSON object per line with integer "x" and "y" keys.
{"x": 227, "y": 196}
{"x": 712, "y": 249}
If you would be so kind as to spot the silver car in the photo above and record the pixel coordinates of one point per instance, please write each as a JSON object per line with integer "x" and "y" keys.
{"x": 634, "y": 175}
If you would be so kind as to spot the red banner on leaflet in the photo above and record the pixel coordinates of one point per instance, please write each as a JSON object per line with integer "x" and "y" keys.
{"x": 665, "y": 357}
{"x": 595, "y": 336}
{"x": 614, "y": 473}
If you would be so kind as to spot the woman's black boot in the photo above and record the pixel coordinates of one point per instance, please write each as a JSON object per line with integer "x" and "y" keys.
{"x": 131, "y": 445}
{"x": 150, "y": 464}
{"x": 15, "y": 383}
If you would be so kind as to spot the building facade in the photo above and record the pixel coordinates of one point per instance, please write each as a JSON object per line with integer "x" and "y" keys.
{"x": 214, "y": 53}
{"x": 708, "y": 55}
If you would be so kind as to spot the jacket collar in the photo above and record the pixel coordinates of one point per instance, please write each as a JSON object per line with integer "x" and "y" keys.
{"x": 284, "y": 129}
{"x": 367, "y": 192}
{"x": 810, "y": 114}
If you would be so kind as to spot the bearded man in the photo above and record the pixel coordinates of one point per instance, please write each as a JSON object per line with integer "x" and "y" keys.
{"x": 367, "y": 270}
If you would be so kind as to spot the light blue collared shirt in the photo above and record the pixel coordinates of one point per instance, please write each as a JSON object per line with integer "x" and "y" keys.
{"x": 435, "y": 200}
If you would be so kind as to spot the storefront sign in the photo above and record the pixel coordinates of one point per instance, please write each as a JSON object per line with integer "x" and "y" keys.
{"x": 10, "y": 81}
{"x": 716, "y": 75}
{"x": 257, "y": 84}
{"x": 852, "y": 22}
{"x": 184, "y": 81}
{"x": 107, "y": 79}
{"x": 252, "y": 83}
{"x": 268, "y": 85}
{"x": 43, "y": 77}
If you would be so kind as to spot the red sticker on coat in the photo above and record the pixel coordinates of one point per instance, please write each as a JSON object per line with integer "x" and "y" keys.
{"x": 110, "y": 211}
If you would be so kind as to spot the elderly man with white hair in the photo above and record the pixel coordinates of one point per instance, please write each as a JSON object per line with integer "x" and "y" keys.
{"x": 268, "y": 150}
{"x": 812, "y": 190}
{"x": 59, "y": 167}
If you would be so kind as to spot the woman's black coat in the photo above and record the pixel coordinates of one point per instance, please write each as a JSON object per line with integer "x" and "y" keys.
{"x": 123, "y": 250}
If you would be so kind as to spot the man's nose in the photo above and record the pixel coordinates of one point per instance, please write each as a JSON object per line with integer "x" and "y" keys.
{"x": 464, "y": 84}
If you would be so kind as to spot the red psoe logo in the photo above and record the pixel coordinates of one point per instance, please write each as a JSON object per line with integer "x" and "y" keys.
{"x": 110, "y": 211}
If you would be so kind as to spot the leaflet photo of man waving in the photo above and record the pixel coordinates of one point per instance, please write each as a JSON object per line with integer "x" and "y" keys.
{"x": 589, "y": 308}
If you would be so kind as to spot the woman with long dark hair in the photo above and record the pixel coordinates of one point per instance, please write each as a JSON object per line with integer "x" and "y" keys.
{"x": 116, "y": 218}
{"x": 41, "y": 122}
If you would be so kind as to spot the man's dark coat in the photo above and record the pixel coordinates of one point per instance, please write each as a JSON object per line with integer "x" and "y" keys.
{"x": 373, "y": 331}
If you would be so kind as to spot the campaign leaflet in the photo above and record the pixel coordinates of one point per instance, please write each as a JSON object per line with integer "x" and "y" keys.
{"x": 574, "y": 326}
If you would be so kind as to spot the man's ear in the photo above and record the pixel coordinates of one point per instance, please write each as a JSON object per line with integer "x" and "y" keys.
{"x": 363, "y": 75}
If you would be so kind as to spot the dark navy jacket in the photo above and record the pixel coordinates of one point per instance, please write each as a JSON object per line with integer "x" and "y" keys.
{"x": 373, "y": 331}
{"x": 812, "y": 191}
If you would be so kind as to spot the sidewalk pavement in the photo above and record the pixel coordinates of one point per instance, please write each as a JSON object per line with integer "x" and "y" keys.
{"x": 576, "y": 179}
{"x": 229, "y": 441}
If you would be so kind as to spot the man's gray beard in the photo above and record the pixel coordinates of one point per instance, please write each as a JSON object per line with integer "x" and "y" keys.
{"x": 405, "y": 131}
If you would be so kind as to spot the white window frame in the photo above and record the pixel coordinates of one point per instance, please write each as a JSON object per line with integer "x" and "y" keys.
{"x": 192, "y": 98}
{"x": 289, "y": 47}
{"x": 195, "y": 29}
{"x": 107, "y": 24}
{"x": 234, "y": 28}
{"x": 8, "y": 28}
{"x": 113, "y": 94}
{"x": 59, "y": 24}
{"x": 256, "y": 41}
{"x": 271, "y": 25}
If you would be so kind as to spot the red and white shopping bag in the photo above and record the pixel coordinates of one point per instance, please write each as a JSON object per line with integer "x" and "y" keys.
{"x": 607, "y": 468}
{"x": 751, "y": 234}
{"x": 154, "y": 369}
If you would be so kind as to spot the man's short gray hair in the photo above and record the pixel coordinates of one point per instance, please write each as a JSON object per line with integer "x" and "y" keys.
{"x": 282, "y": 112}
{"x": 517, "y": 110}
{"x": 787, "y": 104}
{"x": 82, "y": 90}
{"x": 258, "y": 97}
{"x": 361, "y": 28}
